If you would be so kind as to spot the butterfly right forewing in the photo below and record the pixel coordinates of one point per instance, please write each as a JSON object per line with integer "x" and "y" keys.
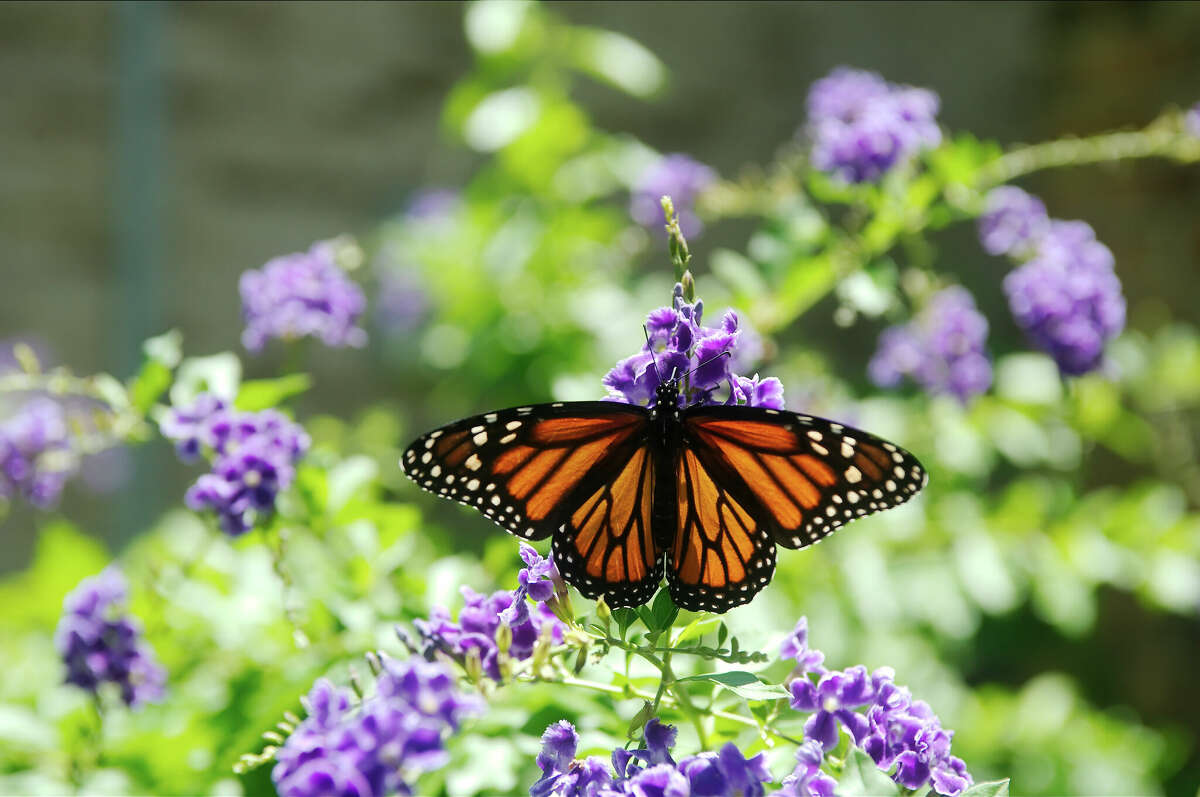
{"x": 520, "y": 467}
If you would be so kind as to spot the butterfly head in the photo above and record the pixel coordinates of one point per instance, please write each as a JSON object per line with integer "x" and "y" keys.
{"x": 667, "y": 393}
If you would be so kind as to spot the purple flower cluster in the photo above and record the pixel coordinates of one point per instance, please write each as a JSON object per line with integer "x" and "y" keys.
{"x": 303, "y": 294}
{"x": 900, "y": 734}
{"x": 680, "y": 347}
{"x": 647, "y": 772}
{"x": 861, "y": 125}
{"x": 99, "y": 643}
{"x": 1066, "y": 296}
{"x": 253, "y": 458}
{"x": 505, "y": 615}
{"x": 35, "y": 453}
{"x": 678, "y": 177}
{"x": 378, "y": 748}
{"x": 1191, "y": 120}
{"x": 1012, "y": 222}
{"x": 942, "y": 349}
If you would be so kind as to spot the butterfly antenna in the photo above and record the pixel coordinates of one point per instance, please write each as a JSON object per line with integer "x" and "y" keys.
{"x": 653, "y": 358}
{"x": 706, "y": 362}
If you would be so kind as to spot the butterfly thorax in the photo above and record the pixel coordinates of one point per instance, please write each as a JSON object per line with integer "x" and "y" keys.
{"x": 665, "y": 445}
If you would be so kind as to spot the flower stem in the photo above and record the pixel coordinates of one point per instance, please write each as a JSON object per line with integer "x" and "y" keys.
{"x": 1162, "y": 138}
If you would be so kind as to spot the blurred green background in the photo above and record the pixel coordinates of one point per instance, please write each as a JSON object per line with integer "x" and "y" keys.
{"x": 151, "y": 153}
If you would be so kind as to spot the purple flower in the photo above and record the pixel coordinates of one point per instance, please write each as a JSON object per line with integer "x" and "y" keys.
{"x": 1012, "y": 222}
{"x": 482, "y": 616}
{"x": 189, "y": 426}
{"x": 832, "y": 698}
{"x": 942, "y": 349}
{"x": 36, "y": 458}
{"x": 905, "y": 733}
{"x": 807, "y": 779}
{"x": 662, "y": 780}
{"x": 99, "y": 643}
{"x": 1067, "y": 298}
{"x": 649, "y": 771}
{"x": 382, "y": 746}
{"x": 680, "y": 347}
{"x": 795, "y": 646}
{"x": 254, "y": 456}
{"x": 861, "y": 126}
{"x": 726, "y": 772}
{"x": 678, "y": 177}
{"x": 304, "y": 294}
{"x": 1191, "y": 121}
{"x": 901, "y": 735}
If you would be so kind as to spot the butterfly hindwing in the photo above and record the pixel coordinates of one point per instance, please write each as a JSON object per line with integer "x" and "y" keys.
{"x": 720, "y": 556}
{"x": 605, "y": 545}
{"x": 800, "y": 476}
{"x": 520, "y": 466}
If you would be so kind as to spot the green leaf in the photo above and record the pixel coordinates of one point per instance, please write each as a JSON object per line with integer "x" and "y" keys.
{"x": 664, "y": 611}
{"x": 991, "y": 788}
{"x": 618, "y": 60}
{"x": 861, "y": 778}
{"x": 64, "y": 556}
{"x": 149, "y": 385}
{"x": 745, "y": 685}
{"x": 261, "y": 394}
{"x": 698, "y": 628}
{"x": 729, "y": 678}
{"x": 624, "y": 618}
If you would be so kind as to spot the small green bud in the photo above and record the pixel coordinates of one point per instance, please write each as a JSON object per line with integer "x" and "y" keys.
{"x": 603, "y": 612}
{"x": 504, "y": 638}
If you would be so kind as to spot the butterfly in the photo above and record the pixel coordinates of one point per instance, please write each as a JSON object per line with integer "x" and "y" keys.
{"x": 703, "y": 494}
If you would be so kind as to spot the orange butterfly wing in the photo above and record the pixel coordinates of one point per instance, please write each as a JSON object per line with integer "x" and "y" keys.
{"x": 801, "y": 477}
{"x": 606, "y": 545}
{"x": 720, "y": 556}
{"x": 520, "y": 467}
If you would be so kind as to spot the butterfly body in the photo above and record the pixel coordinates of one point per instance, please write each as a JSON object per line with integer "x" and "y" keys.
{"x": 700, "y": 494}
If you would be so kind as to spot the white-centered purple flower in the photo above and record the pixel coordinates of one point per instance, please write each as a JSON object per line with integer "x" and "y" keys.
{"x": 482, "y": 617}
{"x": 100, "y": 643}
{"x": 833, "y": 698}
{"x": 676, "y": 176}
{"x": 302, "y": 295}
{"x": 943, "y": 349}
{"x": 646, "y": 772}
{"x": 861, "y": 126}
{"x": 36, "y": 457}
{"x": 680, "y": 347}
{"x": 1067, "y": 298}
{"x": 1013, "y": 221}
{"x": 253, "y": 458}
{"x": 379, "y": 747}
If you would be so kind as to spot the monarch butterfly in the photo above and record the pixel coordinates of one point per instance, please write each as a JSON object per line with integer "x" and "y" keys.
{"x": 704, "y": 493}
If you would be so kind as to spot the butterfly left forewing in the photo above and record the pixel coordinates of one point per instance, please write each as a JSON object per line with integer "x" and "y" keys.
{"x": 801, "y": 476}
{"x": 520, "y": 466}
